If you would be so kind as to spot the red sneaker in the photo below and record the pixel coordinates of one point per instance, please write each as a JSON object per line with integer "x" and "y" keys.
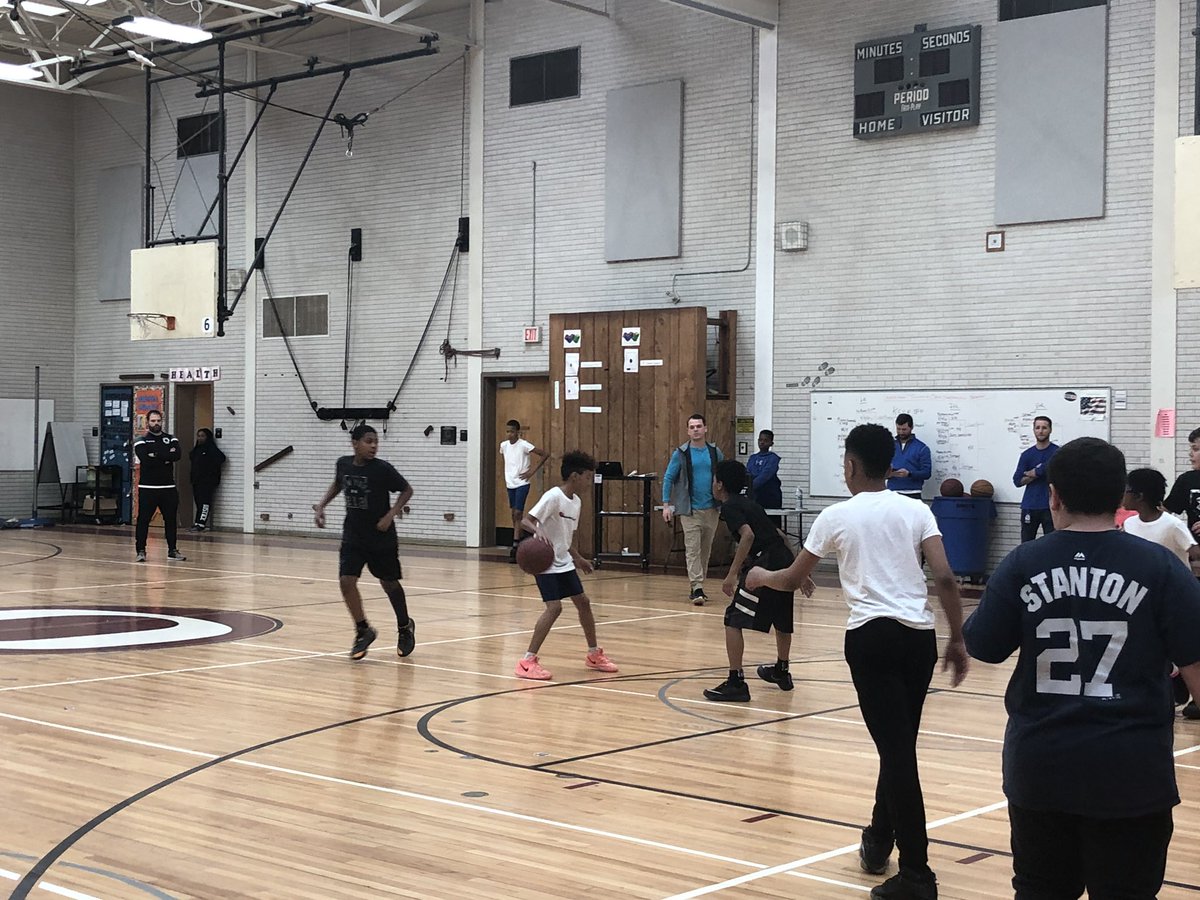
{"x": 531, "y": 669}
{"x": 598, "y": 661}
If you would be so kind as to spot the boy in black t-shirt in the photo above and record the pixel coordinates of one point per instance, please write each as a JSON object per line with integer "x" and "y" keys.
{"x": 369, "y": 535}
{"x": 1096, "y": 615}
{"x": 760, "y": 543}
{"x": 1185, "y": 498}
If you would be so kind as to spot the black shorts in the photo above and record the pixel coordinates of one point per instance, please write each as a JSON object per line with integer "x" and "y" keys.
{"x": 559, "y": 585}
{"x": 765, "y": 608}
{"x": 381, "y": 556}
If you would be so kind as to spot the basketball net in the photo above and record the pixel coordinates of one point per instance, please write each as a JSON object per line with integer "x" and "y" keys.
{"x": 147, "y": 322}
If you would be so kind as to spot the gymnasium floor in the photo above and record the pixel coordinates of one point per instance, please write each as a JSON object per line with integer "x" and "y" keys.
{"x": 273, "y": 766}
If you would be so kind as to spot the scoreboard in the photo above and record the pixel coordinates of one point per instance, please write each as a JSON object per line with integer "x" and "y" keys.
{"x": 923, "y": 81}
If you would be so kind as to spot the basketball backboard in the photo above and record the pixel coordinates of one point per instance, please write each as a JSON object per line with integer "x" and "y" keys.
{"x": 178, "y": 281}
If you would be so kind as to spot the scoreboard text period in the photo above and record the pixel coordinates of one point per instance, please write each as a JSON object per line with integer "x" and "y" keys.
{"x": 916, "y": 82}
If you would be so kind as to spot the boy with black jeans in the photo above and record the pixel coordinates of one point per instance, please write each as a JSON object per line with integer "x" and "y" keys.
{"x": 369, "y": 536}
{"x": 1096, "y": 615}
{"x": 878, "y": 537}
{"x": 1185, "y": 498}
{"x": 760, "y": 543}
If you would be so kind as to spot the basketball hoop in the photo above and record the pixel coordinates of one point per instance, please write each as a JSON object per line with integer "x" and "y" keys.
{"x": 146, "y": 322}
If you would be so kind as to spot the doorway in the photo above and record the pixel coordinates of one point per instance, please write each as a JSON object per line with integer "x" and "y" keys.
{"x": 193, "y": 410}
{"x": 525, "y": 398}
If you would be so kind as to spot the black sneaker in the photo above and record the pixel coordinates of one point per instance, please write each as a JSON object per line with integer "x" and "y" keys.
{"x": 175, "y": 556}
{"x": 512, "y": 554}
{"x": 782, "y": 679}
{"x": 873, "y": 853}
{"x": 1179, "y": 689}
{"x": 905, "y": 886}
{"x": 698, "y": 598}
{"x": 729, "y": 691}
{"x": 408, "y": 639}
{"x": 1191, "y": 711}
{"x": 141, "y": 556}
{"x": 363, "y": 639}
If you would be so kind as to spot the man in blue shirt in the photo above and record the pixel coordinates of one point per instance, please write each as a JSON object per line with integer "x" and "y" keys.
{"x": 687, "y": 493}
{"x": 1031, "y": 473}
{"x": 912, "y": 464}
{"x": 1097, "y": 616}
{"x": 763, "y": 468}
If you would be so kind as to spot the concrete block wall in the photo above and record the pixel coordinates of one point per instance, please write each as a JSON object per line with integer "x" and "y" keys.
{"x": 37, "y": 260}
{"x": 896, "y": 290}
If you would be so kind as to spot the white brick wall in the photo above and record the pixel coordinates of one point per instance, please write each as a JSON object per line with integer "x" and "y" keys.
{"x": 896, "y": 290}
{"x": 641, "y": 43}
{"x": 103, "y": 347}
{"x": 37, "y": 316}
{"x": 1188, "y": 322}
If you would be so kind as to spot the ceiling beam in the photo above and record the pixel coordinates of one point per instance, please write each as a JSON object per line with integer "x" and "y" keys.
{"x": 759, "y": 13}
{"x": 354, "y": 15}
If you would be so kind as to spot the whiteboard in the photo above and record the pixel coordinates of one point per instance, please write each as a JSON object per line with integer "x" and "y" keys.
{"x": 16, "y": 433}
{"x": 971, "y": 433}
{"x": 70, "y": 452}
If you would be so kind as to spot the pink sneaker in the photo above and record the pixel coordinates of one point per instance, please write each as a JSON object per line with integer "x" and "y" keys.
{"x": 598, "y": 661}
{"x": 531, "y": 669}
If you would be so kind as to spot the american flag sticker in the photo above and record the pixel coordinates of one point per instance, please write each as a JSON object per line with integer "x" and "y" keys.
{"x": 1093, "y": 407}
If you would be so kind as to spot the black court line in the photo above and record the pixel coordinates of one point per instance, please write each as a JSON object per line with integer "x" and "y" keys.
{"x": 24, "y": 562}
{"x": 35, "y": 874}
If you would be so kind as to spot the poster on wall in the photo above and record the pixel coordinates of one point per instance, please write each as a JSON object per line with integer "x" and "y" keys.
{"x": 631, "y": 336}
{"x": 146, "y": 399}
{"x": 572, "y": 337}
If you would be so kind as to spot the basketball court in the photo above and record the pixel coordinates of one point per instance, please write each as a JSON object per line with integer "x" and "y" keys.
{"x": 235, "y": 750}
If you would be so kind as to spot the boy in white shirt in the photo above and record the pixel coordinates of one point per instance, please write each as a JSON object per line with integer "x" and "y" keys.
{"x": 1144, "y": 493}
{"x": 517, "y": 475}
{"x": 554, "y": 519}
{"x": 878, "y": 537}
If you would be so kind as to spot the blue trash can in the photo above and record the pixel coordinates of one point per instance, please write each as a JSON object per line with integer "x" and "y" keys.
{"x": 964, "y": 523}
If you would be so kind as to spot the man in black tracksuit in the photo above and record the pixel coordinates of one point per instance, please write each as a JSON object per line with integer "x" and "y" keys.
{"x": 157, "y": 453}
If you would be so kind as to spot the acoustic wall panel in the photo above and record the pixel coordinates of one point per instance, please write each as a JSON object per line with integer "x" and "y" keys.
{"x": 119, "y": 192}
{"x": 1051, "y": 74}
{"x": 643, "y": 172}
{"x": 1187, "y": 212}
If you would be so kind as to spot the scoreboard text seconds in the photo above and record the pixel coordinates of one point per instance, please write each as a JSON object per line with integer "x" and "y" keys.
{"x": 917, "y": 82}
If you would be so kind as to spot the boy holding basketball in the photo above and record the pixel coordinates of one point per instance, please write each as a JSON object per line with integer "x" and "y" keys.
{"x": 369, "y": 535}
{"x": 553, "y": 520}
{"x": 760, "y": 543}
{"x": 878, "y": 537}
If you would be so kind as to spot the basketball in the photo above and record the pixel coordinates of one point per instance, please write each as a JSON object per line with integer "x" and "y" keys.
{"x": 952, "y": 487}
{"x": 534, "y": 556}
{"x": 982, "y": 488}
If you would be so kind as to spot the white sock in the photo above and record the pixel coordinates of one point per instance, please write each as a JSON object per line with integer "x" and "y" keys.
{"x": 529, "y": 655}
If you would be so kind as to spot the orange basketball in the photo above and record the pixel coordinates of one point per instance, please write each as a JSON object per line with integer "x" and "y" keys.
{"x": 952, "y": 487}
{"x": 534, "y": 556}
{"x": 982, "y": 488}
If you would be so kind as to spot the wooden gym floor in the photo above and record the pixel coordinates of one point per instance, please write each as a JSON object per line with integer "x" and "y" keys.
{"x": 273, "y": 766}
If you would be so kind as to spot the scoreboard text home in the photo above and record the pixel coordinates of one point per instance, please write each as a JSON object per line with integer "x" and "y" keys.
{"x": 917, "y": 82}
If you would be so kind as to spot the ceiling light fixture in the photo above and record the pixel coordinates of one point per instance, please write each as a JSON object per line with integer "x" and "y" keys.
{"x": 37, "y": 9}
{"x": 10, "y": 72}
{"x": 159, "y": 28}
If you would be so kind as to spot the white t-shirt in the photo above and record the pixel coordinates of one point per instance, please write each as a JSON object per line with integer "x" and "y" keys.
{"x": 876, "y": 536}
{"x": 516, "y": 461}
{"x": 558, "y": 515}
{"x": 1166, "y": 530}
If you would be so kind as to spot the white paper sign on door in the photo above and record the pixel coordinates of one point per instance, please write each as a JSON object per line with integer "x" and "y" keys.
{"x": 572, "y": 360}
{"x": 631, "y": 359}
{"x": 572, "y": 337}
{"x": 571, "y": 388}
{"x": 631, "y": 336}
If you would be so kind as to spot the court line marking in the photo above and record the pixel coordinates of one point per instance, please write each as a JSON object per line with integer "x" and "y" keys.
{"x": 851, "y": 848}
{"x": 52, "y": 888}
{"x": 946, "y": 734}
{"x": 398, "y": 792}
{"x": 95, "y": 587}
{"x": 788, "y": 867}
{"x": 252, "y": 662}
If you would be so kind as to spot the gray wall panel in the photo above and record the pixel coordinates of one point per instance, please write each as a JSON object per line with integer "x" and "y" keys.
{"x": 197, "y": 180}
{"x": 119, "y": 228}
{"x": 643, "y": 171}
{"x": 1051, "y": 76}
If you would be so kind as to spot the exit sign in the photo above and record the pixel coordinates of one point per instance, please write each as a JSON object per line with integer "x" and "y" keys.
{"x": 533, "y": 334}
